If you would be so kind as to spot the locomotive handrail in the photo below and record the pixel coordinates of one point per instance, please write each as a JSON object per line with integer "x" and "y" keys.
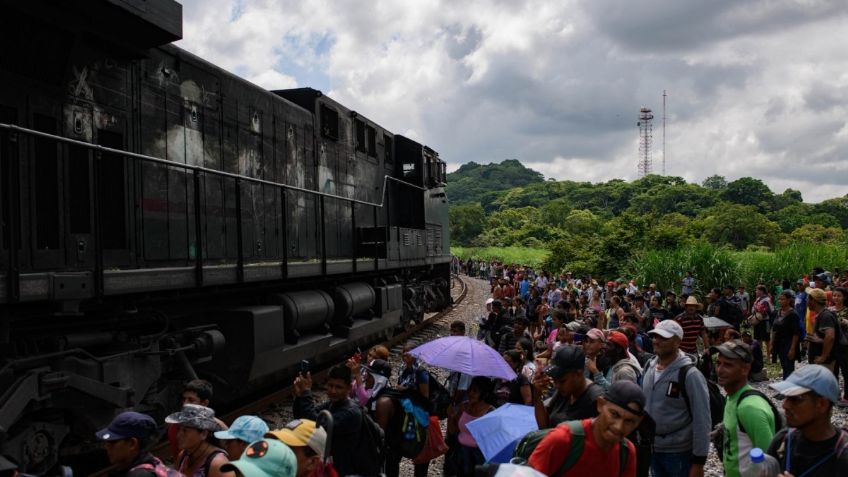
{"x": 98, "y": 147}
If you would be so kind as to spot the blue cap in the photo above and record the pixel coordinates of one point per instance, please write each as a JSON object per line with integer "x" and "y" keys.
{"x": 757, "y": 455}
{"x": 812, "y": 377}
{"x": 126, "y": 425}
{"x": 245, "y": 428}
{"x": 265, "y": 458}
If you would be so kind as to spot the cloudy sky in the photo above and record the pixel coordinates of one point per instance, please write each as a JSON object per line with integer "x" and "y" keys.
{"x": 754, "y": 88}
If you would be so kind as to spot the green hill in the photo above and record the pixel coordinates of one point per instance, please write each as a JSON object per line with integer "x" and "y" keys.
{"x": 477, "y": 183}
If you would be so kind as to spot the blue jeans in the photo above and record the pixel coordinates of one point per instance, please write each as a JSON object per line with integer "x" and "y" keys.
{"x": 670, "y": 464}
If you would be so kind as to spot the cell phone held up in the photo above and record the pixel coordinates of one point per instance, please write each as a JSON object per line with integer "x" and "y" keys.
{"x": 304, "y": 367}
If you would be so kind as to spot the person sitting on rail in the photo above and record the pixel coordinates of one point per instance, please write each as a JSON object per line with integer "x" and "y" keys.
{"x": 347, "y": 419}
{"x": 264, "y": 458}
{"x": 245, "y": 429}
{"x": 196, "y": 391}
{"x": 308, "y": 441}
{"x": 200, "y": 455}
{"x": 127, "y": 440}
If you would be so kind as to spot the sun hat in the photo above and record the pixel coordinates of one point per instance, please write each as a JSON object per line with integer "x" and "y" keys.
{"x": 245, "y": 428}
{"x": 127, "y": 425}
{"x": 302, "y": 433}
{"x": 265, "y": 458}
{"x": 196, "y": 416}
{"x": 567, "y": 358}
{"x": 812, "y": 377}
{"x": 668, "y": 329}
{"x": 692, "y": 301}
{"x": 734, "y": 349}
{"x": 817, "y": 294}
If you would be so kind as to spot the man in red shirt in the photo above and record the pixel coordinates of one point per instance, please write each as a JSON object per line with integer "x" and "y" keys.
{"x": 620, "y": 413}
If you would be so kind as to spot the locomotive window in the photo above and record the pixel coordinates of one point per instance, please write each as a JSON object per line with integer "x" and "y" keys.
{"x": 372, "y": 141}
{"x": 360, "y": 136}
{"x": 329, "y": 123}
{"x": 409, "y": 172}
{"x": 387, "y": 149}
{"x": 46, "y": 185}
{"x": 444, "y": 167}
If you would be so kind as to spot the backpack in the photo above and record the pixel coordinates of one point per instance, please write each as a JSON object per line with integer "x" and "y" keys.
{"x": 717, "y": 399}
{"x": 369, "y": 446}
{"x": 439, "y": 398}
{"x": 732, "y": 313}
{"x": 525, "y": 447}
{"x": 778, "y": 418}
{"x": 413, "y": 429}
{"x": 720, "y": 439}
{"x": 158, "y": 468}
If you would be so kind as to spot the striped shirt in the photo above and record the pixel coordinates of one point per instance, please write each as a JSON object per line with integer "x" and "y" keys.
{"x": 692, "y": 329}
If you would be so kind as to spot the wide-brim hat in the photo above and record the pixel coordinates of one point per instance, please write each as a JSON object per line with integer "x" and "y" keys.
{"x": 692, "y": 301}
{"x": 196, "y": 416}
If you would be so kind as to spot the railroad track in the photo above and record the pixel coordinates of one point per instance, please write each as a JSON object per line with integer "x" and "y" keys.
{"x": 420, "y": 332}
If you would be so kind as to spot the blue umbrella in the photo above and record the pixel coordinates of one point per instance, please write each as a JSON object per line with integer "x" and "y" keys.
{"x": 465, "y": 355}
{"x": 498, "y": 432}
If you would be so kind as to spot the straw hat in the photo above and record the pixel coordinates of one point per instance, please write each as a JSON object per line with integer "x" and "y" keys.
{"x": 692, "y": 301}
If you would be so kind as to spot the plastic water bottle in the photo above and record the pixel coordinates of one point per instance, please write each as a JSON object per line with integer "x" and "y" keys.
{"x": 762, "y": 465}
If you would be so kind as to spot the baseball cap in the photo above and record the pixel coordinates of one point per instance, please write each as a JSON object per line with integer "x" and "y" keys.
{"x": 265, "y": 458}
{"x": 489, "y": 301}
{"x": 574, "y": 326}
{"x": 196, "y": 416}
{"x": 734, "y": 349}
{"x": 567, "y": 358}
{"x": 625, "y": 393}
{"x": 245, "y": 428}
{"x": 618, "y": 338}
{"x": 302, "y": 433}
{"x": 127, "y": 425}
{"x": 812, "y": 377}
{"x": 817, "y": 294}
{"x": 667, "y": 329}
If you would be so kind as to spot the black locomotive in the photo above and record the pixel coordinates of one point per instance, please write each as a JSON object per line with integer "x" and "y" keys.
{"x": 164, "y": 219}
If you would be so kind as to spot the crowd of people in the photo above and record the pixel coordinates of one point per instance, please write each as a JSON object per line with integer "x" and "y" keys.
{"x": 654, "y": 377}
{"x": 622, "y": 380}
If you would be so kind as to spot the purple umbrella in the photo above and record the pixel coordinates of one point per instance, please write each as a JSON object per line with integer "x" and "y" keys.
{"x": 466, "y": 355}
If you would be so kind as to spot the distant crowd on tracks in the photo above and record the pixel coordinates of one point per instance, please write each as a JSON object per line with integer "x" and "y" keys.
{"x": 620, "y": 379}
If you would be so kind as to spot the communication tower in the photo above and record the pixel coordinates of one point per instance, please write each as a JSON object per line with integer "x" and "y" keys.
{"x": 645, "y": 139}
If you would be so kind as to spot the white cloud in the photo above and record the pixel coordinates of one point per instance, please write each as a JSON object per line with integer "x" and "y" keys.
{"x": 758, "y": 89}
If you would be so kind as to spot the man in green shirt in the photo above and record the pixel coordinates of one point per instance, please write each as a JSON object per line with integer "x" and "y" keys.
{"x": 749, "y": 423}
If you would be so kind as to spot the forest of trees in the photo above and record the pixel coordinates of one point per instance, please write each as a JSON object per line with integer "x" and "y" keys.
{"x": 599, "y": 228}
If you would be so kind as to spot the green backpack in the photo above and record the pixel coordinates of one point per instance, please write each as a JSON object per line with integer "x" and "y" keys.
{"x": 528, "y": 443}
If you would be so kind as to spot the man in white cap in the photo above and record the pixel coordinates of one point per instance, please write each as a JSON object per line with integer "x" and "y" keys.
{"x": 681, "y": 412}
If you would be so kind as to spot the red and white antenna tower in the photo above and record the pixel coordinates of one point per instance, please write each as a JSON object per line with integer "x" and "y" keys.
{"x": 646, "y": 137}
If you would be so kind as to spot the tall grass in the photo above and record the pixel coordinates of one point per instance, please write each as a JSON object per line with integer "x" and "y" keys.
{"x": 715, "y": 266}
{"x": 712, "y": 267}
{"x": 519, "y": 255}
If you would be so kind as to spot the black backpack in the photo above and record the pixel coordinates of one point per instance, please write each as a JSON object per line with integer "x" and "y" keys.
{"x": 369, "y": 447}
{"x": 439, "y": 398}
{"x": 732, "y": 313}
{"x": 716, "y": 399}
